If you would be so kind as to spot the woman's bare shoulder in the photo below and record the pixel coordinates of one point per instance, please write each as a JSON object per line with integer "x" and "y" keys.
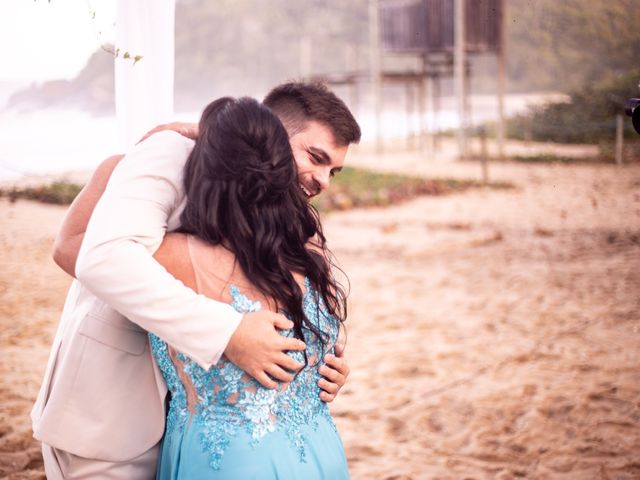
{"x": 173, "y": 255}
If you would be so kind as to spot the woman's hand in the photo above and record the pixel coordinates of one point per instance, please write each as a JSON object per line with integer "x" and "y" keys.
{"x": 189, "y": 130}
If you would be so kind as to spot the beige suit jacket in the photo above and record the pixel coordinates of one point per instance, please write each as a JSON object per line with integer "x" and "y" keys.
{"x": 103, "y": 396}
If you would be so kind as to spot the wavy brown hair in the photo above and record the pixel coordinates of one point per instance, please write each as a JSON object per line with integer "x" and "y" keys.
{"x": 243, "y": 193}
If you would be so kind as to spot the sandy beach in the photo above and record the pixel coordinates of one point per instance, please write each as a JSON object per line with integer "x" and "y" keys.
{"x": 493, "y": 334}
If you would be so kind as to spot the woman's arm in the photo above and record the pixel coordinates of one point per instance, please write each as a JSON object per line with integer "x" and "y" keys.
{"x": 69, "y": 238}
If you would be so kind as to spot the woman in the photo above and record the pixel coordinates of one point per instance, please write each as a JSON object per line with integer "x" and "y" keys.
{"x": 249, "y": 238}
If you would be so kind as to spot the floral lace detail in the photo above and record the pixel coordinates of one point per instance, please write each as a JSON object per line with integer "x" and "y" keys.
{"x": 229, "y": 401}
{"x": 178, "y": 412}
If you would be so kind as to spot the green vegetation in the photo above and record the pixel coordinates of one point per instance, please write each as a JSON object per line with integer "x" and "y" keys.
{"x": 551, "y": 158}
{"x": 59, "y": 193}
{"x": 355, "y": 187}
{"x": 564, "y": 46}
{"x": 631, "y": 154}
{"x": 588, "y": 117}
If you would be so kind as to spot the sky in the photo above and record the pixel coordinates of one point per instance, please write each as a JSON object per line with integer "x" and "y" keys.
{"x": 48, "y": 39}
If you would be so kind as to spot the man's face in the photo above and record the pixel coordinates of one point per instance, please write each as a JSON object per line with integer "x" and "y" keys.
{"x": 317, "y": 156}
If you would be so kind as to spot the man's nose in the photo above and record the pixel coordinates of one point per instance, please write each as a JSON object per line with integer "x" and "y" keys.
{"x": 323, "y": 180}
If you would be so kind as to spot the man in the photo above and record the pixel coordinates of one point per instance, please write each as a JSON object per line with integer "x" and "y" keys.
{"x": 100, "y": 412}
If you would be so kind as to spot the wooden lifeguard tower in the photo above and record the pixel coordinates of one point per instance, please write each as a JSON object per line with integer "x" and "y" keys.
{"x": 417, "y": 43}
{"x": 442, "y": 35}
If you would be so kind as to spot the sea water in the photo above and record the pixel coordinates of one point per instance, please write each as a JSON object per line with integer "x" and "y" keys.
{"x": 56, "y": 140}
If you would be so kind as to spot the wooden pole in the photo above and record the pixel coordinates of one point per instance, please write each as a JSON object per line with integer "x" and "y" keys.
{"x": 467, "y": 107}
{"x": 501, "y": 78}
{"x": 436, "y": 113}
{"x": 409, "y": 112}
{"x": 351, "y": 65}
{"x": 484, "y": 156}
{"x": 619, "y": 138}
{"x": 423, "y": 108}
{"x": 355, "y": 97}
{"x": 305, "y": 56}
{"x": 458, "y": 69}
{"x": 375, "y": 71}
{"x": 423, "y": 93}
{"x": 528, "y": 129}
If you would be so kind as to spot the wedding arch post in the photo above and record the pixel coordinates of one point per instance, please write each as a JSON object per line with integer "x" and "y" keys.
{"x": 143, "y": 88}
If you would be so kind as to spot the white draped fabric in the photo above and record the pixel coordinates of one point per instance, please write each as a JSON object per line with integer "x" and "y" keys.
{"x": 144, "y": 90}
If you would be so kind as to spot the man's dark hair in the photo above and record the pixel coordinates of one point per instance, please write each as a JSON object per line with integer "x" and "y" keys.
{"x": 297, "y": 103}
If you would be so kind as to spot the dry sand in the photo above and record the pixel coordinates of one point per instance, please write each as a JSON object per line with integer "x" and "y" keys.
{"x": 492, "y": 334}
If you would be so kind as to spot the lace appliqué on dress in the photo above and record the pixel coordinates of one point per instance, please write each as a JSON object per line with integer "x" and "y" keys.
{"x": 230, "y": 401}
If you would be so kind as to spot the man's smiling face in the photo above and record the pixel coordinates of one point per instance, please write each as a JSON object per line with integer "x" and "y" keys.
{"x": 317, "y": 156}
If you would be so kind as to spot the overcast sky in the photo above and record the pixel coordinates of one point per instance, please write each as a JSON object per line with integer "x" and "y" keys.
{"x": 42, "y": 40}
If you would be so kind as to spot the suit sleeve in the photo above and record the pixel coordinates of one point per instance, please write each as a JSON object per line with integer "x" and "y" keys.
{"x": 115, "y": 260}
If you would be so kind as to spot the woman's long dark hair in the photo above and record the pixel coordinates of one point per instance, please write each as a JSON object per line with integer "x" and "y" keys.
{"x": 243, "y": 193}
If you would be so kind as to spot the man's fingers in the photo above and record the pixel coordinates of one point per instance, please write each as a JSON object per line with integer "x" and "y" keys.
{"x": 335, "y": 372}
{"x": 328, "y": 387}
{"x": 157, "y": 129}
{"x": 282, "y": 322}
{"x": 292, "y": 344}
{"x": 337, "y": 363}
{"x": 341, "y": 341}
{"x": 332, "y": 375}
{"x": 279, "y": 374}
{"x": 265, "y": 380}
{"x": 288, "y": 363}
{"x": 327, "y": 397}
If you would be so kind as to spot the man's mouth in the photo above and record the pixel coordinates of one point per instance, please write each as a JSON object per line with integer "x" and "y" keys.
{"x": 306, "y": 191}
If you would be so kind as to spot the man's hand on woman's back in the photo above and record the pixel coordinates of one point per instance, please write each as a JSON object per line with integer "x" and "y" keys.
{"x": 258, "y": 348}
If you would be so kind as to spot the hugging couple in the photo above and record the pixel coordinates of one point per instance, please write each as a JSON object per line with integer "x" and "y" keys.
{"x": 203, "y": 335}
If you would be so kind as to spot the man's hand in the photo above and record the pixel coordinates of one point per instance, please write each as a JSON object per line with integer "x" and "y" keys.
{"x": 189, "y": 130}
{"x": 258, "y": 349}
{"x": 335, "y": 372}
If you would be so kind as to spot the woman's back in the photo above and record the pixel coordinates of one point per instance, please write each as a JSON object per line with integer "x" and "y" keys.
{"x": 224, "y": 424}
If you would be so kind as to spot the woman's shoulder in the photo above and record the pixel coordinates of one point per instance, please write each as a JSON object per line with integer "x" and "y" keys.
{"x": 173, "y": 255}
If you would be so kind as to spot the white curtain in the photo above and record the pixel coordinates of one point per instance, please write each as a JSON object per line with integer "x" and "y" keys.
{"x": 144, "y": 90}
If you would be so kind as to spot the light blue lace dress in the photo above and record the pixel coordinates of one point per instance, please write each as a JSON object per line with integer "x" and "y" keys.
{"x": 224, "y": 425}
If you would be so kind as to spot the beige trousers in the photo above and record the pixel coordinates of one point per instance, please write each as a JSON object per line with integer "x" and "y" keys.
{"x": 61, "y": 465}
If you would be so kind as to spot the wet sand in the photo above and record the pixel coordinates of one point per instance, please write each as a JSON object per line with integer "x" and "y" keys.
{"x": 492, "y": 334}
